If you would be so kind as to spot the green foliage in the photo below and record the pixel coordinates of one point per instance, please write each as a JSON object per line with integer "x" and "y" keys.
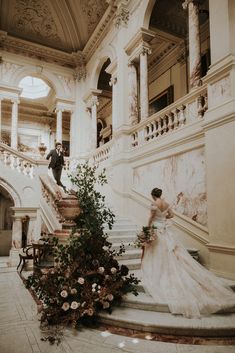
{"x": 86, "y": 277}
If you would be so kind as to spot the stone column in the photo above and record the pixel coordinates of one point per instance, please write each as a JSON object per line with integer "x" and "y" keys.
{"x": 194, "y": 42}
{"x": 94, "y": 103}
{"x": 144, "y": 99}
{"x": 59, "y": 126}
{"x": 0, "y": 119}
{"x": 14, "y": 124}
{"x": 113, "y": 83}
{"x": 133, "y": 98}
{"x": 17, "y": 233}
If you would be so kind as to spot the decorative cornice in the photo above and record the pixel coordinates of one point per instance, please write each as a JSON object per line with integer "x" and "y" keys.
{"x": 122, "y": 16}
{"x": 37, "y": 51}
{"x": 139, "y": 40}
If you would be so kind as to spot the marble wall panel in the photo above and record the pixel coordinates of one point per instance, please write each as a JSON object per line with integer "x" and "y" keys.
{"x": 183, "y": 180}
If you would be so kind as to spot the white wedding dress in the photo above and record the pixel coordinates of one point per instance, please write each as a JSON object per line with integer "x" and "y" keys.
{"x": 170, "y": 275}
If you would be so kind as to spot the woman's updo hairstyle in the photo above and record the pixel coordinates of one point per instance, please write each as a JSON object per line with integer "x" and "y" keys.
{"x": 156, "y": 192}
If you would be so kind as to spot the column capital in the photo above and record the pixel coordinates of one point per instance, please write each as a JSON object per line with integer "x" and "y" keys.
{"x": 91, "y": 97}
{"x": 145, "y": 49}
{"x": 186, "y": 3}
{"x": 15, "y": 100}
{"x": 113, "y": 81}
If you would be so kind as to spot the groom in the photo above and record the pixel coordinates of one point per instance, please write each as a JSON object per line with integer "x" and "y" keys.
{"x": 57, "y": 163}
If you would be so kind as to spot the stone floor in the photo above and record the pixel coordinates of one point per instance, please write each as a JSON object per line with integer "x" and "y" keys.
{"x": 20, "y": 332}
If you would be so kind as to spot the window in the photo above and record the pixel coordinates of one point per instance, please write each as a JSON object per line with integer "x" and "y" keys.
{"x": 162, "y": 100}
{"x": 34, "y": 88}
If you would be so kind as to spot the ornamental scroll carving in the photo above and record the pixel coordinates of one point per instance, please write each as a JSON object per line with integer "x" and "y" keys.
{"x": 34, "y": 16}
{"x": 93, "y": 10}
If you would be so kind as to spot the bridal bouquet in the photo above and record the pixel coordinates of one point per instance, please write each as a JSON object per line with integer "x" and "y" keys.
{"x": 145, "y": 237}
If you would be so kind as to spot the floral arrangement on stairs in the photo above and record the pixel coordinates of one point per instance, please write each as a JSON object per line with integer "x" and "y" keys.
{"x": 86, "y": 277}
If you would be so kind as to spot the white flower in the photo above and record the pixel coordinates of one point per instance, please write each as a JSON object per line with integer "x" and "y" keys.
{"x": 93, "y": 290}
{"x": 81, "y": 280}
{"x": 99, "y": 287}
{"x": 64, "y": 294}
{"x": 105, "y": 248}
{"x": 98, "y": 291}
{"x": 74, "y": 305}
{"x": 83, "y": 304}
{"x": 113, "y": 270}
{"x": 94, "y": 285}
{"x": 65, "y": 306}
{"x": 106, "y": 305}
{"x": 101, "y": 269}
{"x": 74, "y": 291}
{"x": 110, "y": 297}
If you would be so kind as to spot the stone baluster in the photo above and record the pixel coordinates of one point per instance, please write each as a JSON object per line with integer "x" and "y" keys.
{"x": 7, "y": 159}
{"x": 15, "y": 162}
{"x": 59, "y": 117}
{"x": 164, "y": 126}
{"x": 159, "y": 127}
{"x": 28, "y": 169}
{"x": 175, "y": 113}
{"x": 132, "y": 97}
{"x": 14, "y": 124}
{"x": 194, "y": 42}
{"x": 21, "y": 165}
{"x": 182, "y": 117}
{"x": 144, "y": 99}
{"x": 170, "y": 122}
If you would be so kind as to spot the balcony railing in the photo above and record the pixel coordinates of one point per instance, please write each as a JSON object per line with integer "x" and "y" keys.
{"x": 185, "y": 110}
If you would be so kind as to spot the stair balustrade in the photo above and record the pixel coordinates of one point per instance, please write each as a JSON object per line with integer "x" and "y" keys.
{"x": 19, "y": 162}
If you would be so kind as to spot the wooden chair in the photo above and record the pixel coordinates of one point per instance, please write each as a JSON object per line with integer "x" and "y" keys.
{"x": 41, "y": 256}
{"x": 27, "y": 254}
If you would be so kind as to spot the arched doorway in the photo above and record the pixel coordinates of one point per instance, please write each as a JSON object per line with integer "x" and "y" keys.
{"x": 6, "y": 221}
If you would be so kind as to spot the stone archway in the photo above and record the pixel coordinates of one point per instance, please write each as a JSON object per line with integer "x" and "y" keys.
{"x": 8, "y": 199}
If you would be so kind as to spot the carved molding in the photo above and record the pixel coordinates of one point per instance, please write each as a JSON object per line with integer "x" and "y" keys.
{"x": 122, "y": 17}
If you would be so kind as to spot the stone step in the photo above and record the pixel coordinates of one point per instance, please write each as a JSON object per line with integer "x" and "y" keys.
{"x": 124, "y": 227}
{"x": 121, "y": 236}
{"x": 143, "y": 301}
{"x": 217, "y": 325}
{"x": 130, "y": 254}
{"x": 128, "y": 246}
{"x": 132, "y": 264}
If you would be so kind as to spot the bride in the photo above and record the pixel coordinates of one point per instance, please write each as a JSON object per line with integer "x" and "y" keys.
{"x": 172, "y": 276}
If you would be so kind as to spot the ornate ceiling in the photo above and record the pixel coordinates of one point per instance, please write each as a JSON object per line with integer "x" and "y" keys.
{"x": 65, "y": 25}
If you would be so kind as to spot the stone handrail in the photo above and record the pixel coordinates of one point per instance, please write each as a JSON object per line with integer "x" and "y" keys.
{"x": 18, "y": 161}
{"x": 185, "y": 110}
{"x": 65, "y": 205}
{"x": 101, "y": 153}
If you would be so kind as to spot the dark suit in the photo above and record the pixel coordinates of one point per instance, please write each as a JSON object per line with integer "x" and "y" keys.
{"x": 56, "y": 164}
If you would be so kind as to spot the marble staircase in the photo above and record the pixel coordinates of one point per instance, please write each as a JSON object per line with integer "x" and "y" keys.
{"x": 143, "y": 313}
